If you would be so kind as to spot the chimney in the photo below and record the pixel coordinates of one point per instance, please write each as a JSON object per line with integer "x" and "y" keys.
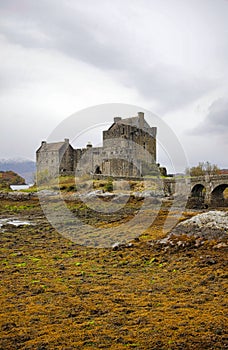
{"x": 141, "y": 120}
{"x": 117, "y": 119}
{"x": 66, "y": 140}
{"x": 89, "y": 145}
{"x": 43, "y": 143}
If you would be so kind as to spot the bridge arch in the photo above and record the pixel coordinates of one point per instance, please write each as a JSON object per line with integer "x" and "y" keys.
{"x": 197, "y": 196}
{"x": 208, "y": 190}
{"x": 217, "y": 195}
{"x": 198, "y": 190}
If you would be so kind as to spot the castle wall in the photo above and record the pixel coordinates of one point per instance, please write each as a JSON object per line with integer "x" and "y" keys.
{"x": 135, "y": 135}
{"x": 88, "y": 160}
{"x": 47, "y": 162}
{"x": 66, "y": 158}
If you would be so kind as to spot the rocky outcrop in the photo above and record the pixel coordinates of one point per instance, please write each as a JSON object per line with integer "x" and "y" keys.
{"x": 209, "y": 227}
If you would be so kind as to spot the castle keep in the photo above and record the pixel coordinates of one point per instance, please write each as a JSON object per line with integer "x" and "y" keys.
{"x": 129, "y": 149}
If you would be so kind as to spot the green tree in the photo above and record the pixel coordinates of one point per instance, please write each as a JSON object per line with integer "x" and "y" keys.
{"x": 203, "y": 168}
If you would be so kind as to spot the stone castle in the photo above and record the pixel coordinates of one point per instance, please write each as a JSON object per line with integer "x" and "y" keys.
{"x": 129, "y": 150}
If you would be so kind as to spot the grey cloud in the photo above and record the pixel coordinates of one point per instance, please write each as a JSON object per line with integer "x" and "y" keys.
{"x": 79, "y": 34}
{"x": 208, "y": 140}
{"x": 72, "y": 32}
{"x": 216, "y": 121}
{"x": 169, "y": 85}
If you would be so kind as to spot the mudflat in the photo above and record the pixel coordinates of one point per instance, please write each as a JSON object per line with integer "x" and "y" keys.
{"x": 56, "y": 294}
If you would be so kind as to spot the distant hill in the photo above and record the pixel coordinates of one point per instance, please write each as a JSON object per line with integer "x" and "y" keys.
{"x": 223, "y": 171}
{"x": 23, "y": 167}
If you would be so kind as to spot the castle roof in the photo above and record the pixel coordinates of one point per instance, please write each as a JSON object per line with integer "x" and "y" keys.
{"x": 139, "y": 122}
{"x": 52, "y": 146}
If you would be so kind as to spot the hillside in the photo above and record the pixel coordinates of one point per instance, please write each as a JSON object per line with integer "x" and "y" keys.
{"x": 8, "y": 178}
{"x": 23, "y": 167}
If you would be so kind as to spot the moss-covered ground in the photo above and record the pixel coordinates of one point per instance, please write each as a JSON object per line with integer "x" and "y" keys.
{"x": 56, "y": 294}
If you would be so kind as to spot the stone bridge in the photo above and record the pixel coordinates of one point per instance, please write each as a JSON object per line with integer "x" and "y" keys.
{"x": 210, "y": 188}
{"x": 206, "y": 190}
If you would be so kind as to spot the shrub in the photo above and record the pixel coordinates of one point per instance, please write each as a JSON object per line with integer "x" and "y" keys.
{"x": 71, "y": 188}
{"x": 108, "y": 186}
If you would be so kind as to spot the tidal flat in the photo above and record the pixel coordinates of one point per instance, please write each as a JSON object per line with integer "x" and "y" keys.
{"x": 56, "y": 294}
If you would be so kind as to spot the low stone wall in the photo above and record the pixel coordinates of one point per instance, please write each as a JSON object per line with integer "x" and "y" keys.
{"x": 18, "y": 196}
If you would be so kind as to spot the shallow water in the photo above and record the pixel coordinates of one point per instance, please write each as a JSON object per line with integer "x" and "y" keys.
{"x": 14, "y": 222}
{"x": 20, "y": 187}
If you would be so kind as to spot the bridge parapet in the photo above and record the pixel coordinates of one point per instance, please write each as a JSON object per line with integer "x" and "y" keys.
{"x": 209, "y": 177}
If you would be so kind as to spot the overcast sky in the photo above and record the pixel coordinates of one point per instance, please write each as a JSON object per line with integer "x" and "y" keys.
{"x": 168, "y": 56}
